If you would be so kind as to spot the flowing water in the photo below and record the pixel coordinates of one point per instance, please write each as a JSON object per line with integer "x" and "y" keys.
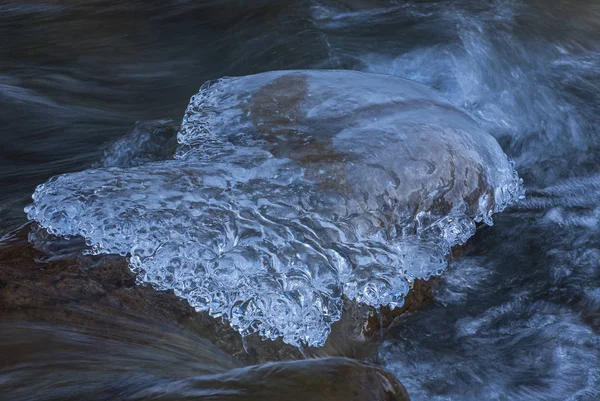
{"x": 516, "y": 317}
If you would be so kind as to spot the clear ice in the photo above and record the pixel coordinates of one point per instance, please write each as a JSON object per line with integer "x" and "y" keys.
{"x": 289, "y": 190}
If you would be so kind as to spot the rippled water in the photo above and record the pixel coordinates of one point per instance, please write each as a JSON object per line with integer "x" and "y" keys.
{"x": 517, "y": 317}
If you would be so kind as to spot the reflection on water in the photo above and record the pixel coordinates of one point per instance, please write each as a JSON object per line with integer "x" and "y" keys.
{"x": 517, "y": 317}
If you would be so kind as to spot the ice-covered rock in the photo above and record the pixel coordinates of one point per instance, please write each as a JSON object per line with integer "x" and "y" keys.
{"x": 288, "y": 190}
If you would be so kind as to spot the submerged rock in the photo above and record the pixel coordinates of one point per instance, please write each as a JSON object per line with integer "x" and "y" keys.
{"x": 45, "y": 280}
{"x": 56, "y": 363}
{"x": 290, "y": 190}
{"x": 328, "y": 379}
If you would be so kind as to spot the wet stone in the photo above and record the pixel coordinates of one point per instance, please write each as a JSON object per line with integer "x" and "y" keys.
{"x": 289, "y": 192}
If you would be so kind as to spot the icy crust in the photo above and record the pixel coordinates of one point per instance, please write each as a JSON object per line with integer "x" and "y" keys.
{"x": 289, "y": 190}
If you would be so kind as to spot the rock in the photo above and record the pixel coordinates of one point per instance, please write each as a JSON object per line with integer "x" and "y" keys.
{"x": 289, "y": 192}
{"x": 316, "y": 380}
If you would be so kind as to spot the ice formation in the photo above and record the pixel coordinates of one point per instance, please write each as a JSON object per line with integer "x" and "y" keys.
{"x": 289, "y": 190}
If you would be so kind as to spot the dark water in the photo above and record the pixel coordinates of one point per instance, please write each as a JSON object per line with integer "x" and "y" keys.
{"x": 518, "y": 316}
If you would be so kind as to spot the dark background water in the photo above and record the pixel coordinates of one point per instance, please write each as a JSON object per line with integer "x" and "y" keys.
{"x": 517, "y": 318}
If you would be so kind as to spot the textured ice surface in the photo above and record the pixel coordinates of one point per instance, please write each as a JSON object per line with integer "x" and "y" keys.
{"x": 288, "y": 190}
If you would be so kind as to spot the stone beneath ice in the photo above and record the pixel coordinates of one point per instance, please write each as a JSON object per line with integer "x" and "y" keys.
{"x": 288, "y": 190}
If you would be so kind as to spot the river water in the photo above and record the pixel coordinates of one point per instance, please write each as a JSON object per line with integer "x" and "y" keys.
{"x": 517, "y": 317}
